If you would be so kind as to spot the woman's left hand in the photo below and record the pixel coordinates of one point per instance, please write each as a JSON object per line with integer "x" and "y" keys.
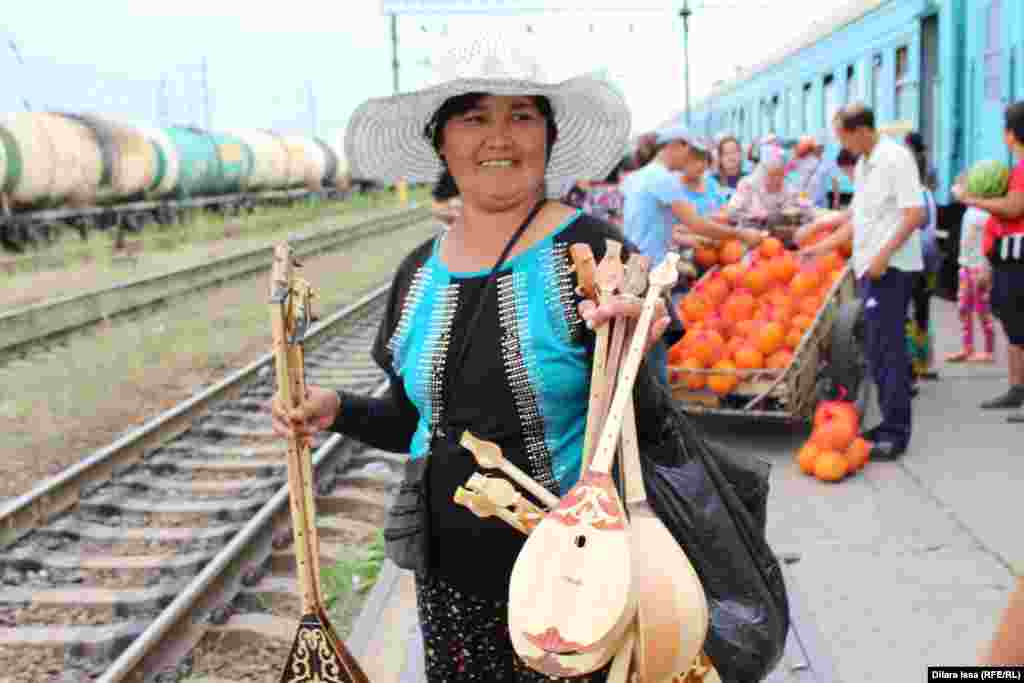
{"x": 595, "y": 316}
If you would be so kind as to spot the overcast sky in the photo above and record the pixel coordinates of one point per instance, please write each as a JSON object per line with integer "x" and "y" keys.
{"x": 109, "y": 56}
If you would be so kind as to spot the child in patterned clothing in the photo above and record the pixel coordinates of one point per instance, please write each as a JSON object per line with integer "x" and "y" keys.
{"x": 974, "y": 291}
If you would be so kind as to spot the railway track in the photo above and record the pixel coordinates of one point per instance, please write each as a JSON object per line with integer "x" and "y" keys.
{"x": 36, "y": 328}
{"x": 117, "y": 568}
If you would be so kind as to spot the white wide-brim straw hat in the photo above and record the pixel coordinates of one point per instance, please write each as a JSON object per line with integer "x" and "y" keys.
{"x": 385, "y": 141}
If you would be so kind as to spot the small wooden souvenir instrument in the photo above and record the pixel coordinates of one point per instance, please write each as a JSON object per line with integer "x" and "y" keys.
{"x": 672, "y": 611}
{"x": 318, "y": 655}
{"x": 572, "y": 588}
{"x": 490, "y": 497}
{"x": 608, "y": 278}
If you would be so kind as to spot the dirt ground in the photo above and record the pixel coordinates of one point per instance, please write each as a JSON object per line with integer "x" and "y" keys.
{"x": 57, "y": 409}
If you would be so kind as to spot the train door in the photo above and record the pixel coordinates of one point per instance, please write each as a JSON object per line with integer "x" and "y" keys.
{"x": 990, "y": 87}
{"x": 930, "y": 87}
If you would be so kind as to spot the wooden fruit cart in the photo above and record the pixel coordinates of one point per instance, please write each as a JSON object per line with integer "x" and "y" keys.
{"x": 829, "y": 355}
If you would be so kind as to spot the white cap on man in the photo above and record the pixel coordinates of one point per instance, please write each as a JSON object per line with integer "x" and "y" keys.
{"x": 681, "y": 134}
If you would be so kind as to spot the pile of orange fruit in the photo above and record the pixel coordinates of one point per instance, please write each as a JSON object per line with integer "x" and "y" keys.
{"x": 834, "y": 449}
{"x": 749, "y": 314}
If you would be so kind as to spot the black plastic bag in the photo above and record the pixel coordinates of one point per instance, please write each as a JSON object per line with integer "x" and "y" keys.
{"x": 713, "y": 502}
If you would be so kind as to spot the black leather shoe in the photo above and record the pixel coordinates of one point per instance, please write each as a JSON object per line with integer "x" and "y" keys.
{"x": 1013, "y": 398}
{"x": 885, "y": 450}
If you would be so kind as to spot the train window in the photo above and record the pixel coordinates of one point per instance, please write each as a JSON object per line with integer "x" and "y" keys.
{"x": 876, "y": 81}
{"x": 808, "y": 115}
{"x": 777, "y": 121}
{"x": 993, "y": 51}
{"x": 831, "y": 101}
{"x": 903, "y": 109}
{"x": 851, "y": 84}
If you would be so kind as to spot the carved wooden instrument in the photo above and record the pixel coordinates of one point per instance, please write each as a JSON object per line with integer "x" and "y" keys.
{"x": 608, "y": 277}
{"x": 672, "y": 609}
{"x": 492, "y": 497}
{"x": 317, "y": 654}
{"x": 571, "y": 588}
{"x": 489, "y": 457}
{"x": 489, "y": 495}
{"x": 618, "y": 332}
{"x": 672, "y": 614}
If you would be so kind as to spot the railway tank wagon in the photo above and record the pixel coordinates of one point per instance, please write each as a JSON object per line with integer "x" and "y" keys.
{"x": 199, "y": 163}
{"x": 168, "y": 163}
{"x": 236, "y": 163}
{"x": 270, "y": 160}
{"x": 47, "y": 160}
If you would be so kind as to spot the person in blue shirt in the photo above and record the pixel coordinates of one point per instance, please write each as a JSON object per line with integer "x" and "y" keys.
{"x": 658, "y": 212}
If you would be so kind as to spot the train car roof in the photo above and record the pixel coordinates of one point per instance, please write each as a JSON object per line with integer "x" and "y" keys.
{"x": 819, "y": 30}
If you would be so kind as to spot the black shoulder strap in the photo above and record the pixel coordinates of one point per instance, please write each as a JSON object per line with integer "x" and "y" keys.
{"x": 453, "y": 370}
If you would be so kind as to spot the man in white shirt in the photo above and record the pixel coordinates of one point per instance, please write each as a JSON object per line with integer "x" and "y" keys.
{"x": 884, "y": 220}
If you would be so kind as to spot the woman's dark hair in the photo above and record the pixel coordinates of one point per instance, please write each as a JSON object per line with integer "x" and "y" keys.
{"x": 1015, "y": 120}
{"x": 456, "y": 106}
{"x": 445, "y": 188}
{"x": 846, "y": 158}
{"x": 613, "y": 177}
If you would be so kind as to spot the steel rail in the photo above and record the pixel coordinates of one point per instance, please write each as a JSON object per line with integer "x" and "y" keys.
{"x": 30, "y": 324}
{"x": 182, "y": 624}
{"x": 55, "y": 495}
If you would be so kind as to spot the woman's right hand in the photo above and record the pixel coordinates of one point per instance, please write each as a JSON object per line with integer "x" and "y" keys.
{"x": 315, "y": 414}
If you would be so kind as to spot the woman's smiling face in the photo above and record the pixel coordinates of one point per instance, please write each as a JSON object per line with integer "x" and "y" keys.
{"x": 497, "y": 151}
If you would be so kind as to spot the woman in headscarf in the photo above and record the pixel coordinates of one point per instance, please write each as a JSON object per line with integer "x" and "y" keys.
{"x": 763, "y": 196}
{"x": 508, "y": 359}
{"x": 813, "y": 175}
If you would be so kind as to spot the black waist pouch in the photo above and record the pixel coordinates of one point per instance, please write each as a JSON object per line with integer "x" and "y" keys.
{"x": 407, "y": 537}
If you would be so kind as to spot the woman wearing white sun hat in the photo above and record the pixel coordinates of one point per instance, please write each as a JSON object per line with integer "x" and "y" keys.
{"x": 483, "y": 331}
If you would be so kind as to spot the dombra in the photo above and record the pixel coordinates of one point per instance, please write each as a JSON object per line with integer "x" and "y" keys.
{"x": 574, "y": 590}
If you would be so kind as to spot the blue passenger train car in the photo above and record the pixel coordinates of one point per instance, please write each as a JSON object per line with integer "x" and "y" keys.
{"x": 945, "y": 68}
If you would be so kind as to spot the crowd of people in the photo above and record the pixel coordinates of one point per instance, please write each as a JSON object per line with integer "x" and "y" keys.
{"x": 484, "y": 332}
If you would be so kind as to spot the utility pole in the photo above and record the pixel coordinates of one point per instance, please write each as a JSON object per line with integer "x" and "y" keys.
{"x": 17, "y": 55}
{"x": 685, "y": 14}
{"x": 312, "y": 108}
{"x": 162, "y": 113}
{"x": 206, "y": 97}
{"x": 394, "y": 52}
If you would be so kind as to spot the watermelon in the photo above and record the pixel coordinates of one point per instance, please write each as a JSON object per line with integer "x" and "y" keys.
{"x": 988, "y": 179}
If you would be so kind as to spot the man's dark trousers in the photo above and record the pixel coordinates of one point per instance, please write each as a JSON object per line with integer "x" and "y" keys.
{"x": 885, "y": 314}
